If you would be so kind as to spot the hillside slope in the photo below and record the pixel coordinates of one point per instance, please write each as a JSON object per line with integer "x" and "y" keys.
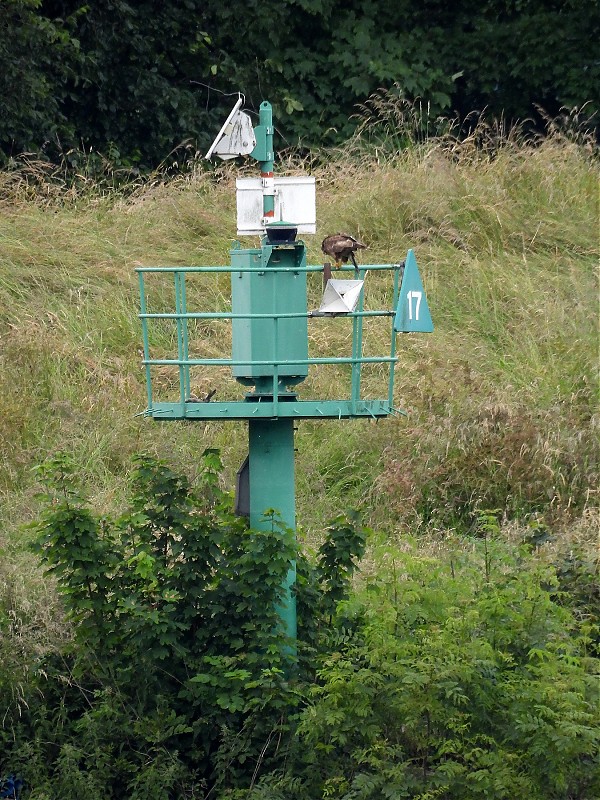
{"x": 501, "y": 398}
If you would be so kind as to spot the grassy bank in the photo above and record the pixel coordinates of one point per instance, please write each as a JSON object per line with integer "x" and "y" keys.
{"x": 498, "y": 454}
{"x": 502, "y": 398}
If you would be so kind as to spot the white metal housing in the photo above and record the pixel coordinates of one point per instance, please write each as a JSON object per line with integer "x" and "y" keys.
{"x": 295, "y": 202}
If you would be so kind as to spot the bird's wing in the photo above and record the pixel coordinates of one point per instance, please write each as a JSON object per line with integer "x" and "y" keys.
{"x": 352, "y": 242}
{"x": 342, "y": 242}
{"x": 326, "y": 245}
{"x": 334, "y": 244}
{"x": 339, "y": 243}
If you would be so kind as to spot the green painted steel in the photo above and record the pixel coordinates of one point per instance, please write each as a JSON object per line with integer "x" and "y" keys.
{"x": 279, "y": 315}
{"x": 269, "y": 338}
{"x": 393, "y": 338}
{"x": 182, "y": 354}
{"x": 263, "y": 132}
{"x": 271, "y": 409}
{"x": 269, "y": 326}
{"x": 272, "y": 487}
{"x": 270, "y": 334}
{"x": 228, "y": 362}
{"x": 227, "y": 268}
{"x": 265, "y": 155}
{"x": 357, "y": 346}
{"x": 412, "y": 315}
{"x": 145, "y": 341}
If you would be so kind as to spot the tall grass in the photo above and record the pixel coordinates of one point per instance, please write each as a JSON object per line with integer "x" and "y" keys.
{"x": 502, "y": 398}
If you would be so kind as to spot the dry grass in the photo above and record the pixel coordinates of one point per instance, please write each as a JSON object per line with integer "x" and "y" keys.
{"x": 506, "y": 234}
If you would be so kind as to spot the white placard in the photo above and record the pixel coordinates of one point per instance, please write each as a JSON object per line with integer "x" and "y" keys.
{"x": 295, "y": 202}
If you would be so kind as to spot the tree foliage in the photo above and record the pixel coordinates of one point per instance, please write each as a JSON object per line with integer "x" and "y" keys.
{"x": 465, "y": 682}
{"x": 36, "y": 56}
{"x": 135, "y": 81}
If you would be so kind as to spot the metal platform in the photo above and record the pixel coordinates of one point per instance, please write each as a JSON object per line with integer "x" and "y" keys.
{"x": 295, "y": 409}
{"x": 272, "y": 362}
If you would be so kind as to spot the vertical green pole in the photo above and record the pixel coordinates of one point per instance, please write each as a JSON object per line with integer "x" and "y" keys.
{"x": 186, "y": 354}
{"x": 397, "y": 273}
{"x": 267, "y": 161}
{"x": 143, "y": 309}
{"x": 180, "y": 339}
{"x": 357, "y": 326}
{"x": 272, "y": 486}
{"x": 275, "y": 368}
{"x": 271, "y": 441}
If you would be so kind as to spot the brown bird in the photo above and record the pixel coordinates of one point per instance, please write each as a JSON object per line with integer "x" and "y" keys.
{"x": 341, "y": 246}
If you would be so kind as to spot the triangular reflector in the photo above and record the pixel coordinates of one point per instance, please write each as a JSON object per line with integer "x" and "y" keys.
{"x": 340, "y": 297}
{"x": 238, "y": 138}
{"x": 412, "y": 314}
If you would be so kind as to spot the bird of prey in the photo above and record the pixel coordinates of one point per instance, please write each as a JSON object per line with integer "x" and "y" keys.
{"x": 342, "y": 246}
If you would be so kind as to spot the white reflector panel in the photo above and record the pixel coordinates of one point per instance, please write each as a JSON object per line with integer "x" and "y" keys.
{"x": 295, "y": 202}
{"x": 340, "y": 297}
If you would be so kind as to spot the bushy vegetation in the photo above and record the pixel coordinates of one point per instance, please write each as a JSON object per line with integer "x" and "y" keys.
{"x": 179, "y": 679}
{"x": 460, "y": 681}
{"x": 458, "y": 658}
{"x": 459, "y": 677}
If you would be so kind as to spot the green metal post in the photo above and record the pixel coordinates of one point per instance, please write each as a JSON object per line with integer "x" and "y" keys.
{"x": 270, "y": 353}
{"x": 266, "y": 289}
{"x": 397, "y": 274}
{"x": 146, "y": 344}
{"x": 186, "y": 353}
{"x": 272, "y": 486}
{"x": 357, "y": 326}
{"x": 265, "y": 154}
{"x": 179, "y": 310}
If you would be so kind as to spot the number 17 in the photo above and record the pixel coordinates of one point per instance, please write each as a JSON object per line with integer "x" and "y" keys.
{"x": 416, "y": 296}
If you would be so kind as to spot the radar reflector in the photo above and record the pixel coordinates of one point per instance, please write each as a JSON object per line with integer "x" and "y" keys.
{"x": 340, "y": 297}
{"x": 236, "y": 137}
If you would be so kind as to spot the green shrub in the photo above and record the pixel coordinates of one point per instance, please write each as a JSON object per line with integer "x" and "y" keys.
{"x": 179, "y": 677}
{"x": 463, "y": 679}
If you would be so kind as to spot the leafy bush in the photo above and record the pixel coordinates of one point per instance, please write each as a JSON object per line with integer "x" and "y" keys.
{"x": 177, "y": 634}
{"x": 462, "y": 680}
{"x": 179, "y": 677}
{"x": 578, "y": 574}
{"x": 468, "y": 675}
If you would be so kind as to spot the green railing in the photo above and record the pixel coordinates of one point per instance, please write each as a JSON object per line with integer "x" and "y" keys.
{"x": 276, "y": 405}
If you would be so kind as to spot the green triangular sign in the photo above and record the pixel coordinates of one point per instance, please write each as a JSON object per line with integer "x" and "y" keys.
{"x": 412, "y": 314}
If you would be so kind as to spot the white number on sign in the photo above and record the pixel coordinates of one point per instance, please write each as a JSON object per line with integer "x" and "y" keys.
{"x": 416, "y": 296}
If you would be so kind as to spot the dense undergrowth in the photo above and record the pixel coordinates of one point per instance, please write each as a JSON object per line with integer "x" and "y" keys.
{"x": 473, "y": 675}
{"x": 461, "y": 663}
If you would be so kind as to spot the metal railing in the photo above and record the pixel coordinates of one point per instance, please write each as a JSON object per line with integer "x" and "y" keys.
{"x": 181, "y": 316}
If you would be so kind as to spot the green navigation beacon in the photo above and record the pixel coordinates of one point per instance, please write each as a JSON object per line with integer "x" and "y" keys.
{"x": 270, "y": 320}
